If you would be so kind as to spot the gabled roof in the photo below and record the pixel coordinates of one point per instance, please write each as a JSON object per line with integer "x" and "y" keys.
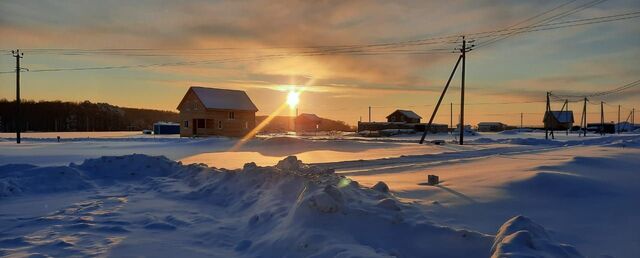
{"x": 407, "y": 113}
{"x": 561, "y": 116}
{"x": 213, "y": 98}
{"x": 306, "y": 116}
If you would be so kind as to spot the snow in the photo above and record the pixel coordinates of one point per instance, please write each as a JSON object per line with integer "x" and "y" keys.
{"x": 502, "y": 195}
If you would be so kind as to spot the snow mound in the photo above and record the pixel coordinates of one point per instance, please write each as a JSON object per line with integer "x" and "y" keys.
{"x": 288, "y": 210}
{"x": 521, "y": 237}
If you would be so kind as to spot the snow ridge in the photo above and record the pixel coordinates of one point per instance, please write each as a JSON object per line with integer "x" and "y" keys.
{"x": 288, "y": 210}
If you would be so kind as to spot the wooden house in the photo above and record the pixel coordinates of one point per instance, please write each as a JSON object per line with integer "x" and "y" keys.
{"x": 404, "y": 116}
{"x": 558, "y": 120}
{"x": 210, "y": 111}
{"x": 307, "y": 123}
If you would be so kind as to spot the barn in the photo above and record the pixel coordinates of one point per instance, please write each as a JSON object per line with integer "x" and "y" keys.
{"x": 210, "y": 111}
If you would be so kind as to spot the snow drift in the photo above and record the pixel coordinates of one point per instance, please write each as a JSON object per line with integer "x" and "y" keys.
{"x": 287, "y": 210}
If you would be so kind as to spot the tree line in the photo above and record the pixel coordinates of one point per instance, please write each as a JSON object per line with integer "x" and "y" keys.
{"x": 59, "y": 116}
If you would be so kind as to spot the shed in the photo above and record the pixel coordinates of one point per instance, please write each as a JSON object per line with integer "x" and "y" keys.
{"x": 166, "y": 128}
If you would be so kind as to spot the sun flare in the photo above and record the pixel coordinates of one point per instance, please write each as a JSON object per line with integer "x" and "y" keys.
{"x": 293, "y": 98}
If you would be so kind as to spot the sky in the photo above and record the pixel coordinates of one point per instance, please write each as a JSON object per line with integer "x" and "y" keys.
{"x": 268, "y": 47}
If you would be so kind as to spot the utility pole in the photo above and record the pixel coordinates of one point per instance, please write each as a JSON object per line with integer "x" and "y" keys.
{"x": 521, "y": 116}
{"x": 369, "y": 114}
{"x": 451, "y": 118}
{"x": 435, "y": 110}
{"x": 547, "y": 117}
{"x": 566, "y": 103}
{"x": 618, "y": 125}
{"x": 17, "y": 54}
{"x": 584, "y": 116}
{"x": 464, "y": 51}
{"x": 601, "y": 117}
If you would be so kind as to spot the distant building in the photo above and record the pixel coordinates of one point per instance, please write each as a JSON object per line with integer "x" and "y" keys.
{"x": 307, "y": 123}
{"x": 602, "y": 128}
{"x": 209, "y": 111}
{"x": 402, "y": 121}
{"x": 166, "y": 128}
{"x": 404, "y": 116}
{"x": 558, "y": 120}
{"x": 491, "y": 127}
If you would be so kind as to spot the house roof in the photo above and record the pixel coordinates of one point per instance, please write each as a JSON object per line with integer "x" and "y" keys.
{"x": 407, "y": 113}
{"x": 306, "y": 116}
{"x": 562, "y": 116}
{"x": 213, "y": 98}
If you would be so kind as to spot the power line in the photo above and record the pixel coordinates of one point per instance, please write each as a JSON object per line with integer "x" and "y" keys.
{"x": 544, "y": 21}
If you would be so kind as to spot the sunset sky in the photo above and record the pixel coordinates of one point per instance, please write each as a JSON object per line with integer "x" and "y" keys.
{"x": 262, "y": 47}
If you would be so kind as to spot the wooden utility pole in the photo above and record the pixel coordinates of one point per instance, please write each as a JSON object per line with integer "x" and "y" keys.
{"x": 584, "y": 117}
{"x": 521, "y": 116}
{"x": 18, "y": 122}
{"x": 601, "y": 117}
{"x": 435, "y": 110}
{"x": 618, "y": 125}
{"x": 369, "y": 114}
{"x": 547, "y": 114}
{"x": 451, "y": 117}
{"x": 464, "y": 51}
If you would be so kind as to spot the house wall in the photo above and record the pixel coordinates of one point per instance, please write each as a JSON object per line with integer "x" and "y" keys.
{"x": 191, "y": 109}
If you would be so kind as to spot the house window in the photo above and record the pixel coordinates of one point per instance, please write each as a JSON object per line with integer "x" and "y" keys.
{"x": 246, "y": 124}
{"x": 232, "y": 115}
{"x": 219, "y": 124}
{"x": 186, "y": 123}
{"x": 195, "y": 106}
{"x": 201, "y": 123}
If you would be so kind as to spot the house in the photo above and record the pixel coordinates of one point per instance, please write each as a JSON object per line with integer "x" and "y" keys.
{"x": 491, "y": 127}
{"x": 209, "y": 111}
{"x": 307, "y": 123}
{"x": 558, "y": 120}
{"x": 404, "y": 116}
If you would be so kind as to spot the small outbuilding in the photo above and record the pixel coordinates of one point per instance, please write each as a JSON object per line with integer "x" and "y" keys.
{"x": 166, "y": 128}
{"x": 404, "y": 116}
{"x": 210, "y": 111}
{"x": 558, "y": 120}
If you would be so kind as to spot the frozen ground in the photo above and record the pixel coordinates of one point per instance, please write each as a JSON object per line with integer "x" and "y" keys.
{"x": 580, "y": 192}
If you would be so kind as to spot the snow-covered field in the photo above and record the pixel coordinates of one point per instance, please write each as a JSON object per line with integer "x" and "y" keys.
{"x": 506, "y": 195}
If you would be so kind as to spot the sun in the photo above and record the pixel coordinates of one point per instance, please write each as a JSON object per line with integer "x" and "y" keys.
{"x": 293, "y": 98}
